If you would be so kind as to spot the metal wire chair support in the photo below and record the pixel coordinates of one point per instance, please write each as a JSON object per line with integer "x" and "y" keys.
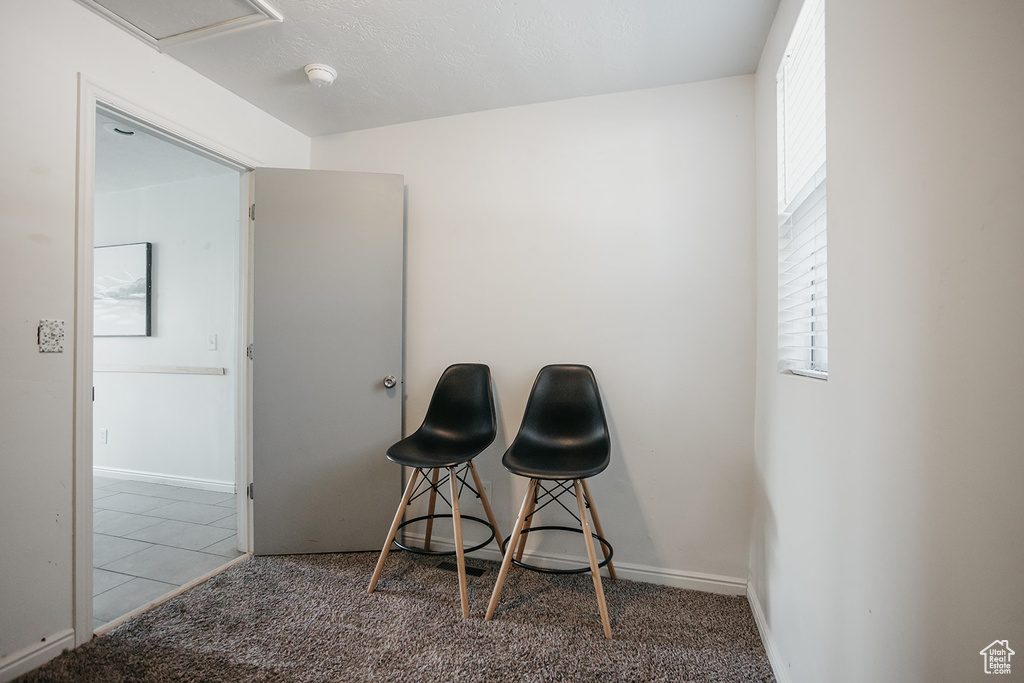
{"x": 573, "y": 570}
{"x": 441, "y": 483}
{"x": 426, "y": 485}
{"x": 566, "y": 487}
{"x": 544, "y": 497}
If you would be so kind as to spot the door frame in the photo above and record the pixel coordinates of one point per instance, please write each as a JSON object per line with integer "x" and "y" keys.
{"x": 90, "y": 98}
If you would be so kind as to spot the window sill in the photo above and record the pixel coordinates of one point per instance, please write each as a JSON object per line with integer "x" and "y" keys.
{"x": 813, "y": 374}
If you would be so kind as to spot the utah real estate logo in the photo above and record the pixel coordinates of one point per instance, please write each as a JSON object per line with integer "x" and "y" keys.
{"x": 997, "y": 657}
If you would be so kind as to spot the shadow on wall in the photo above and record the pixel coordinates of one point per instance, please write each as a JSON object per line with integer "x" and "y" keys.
{"x": 764, "y": 534}
{"x": 617, "y": 502}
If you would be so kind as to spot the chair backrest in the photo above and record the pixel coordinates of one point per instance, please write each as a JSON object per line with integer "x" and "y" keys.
{"x": 463, "y": 404}
{"x": 564, "y": 411}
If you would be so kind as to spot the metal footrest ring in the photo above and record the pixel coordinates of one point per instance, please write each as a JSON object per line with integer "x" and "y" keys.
{"x": 421, "y": 551}
{"x": 545, "y": 570}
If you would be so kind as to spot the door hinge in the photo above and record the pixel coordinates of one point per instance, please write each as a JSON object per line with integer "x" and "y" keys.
{"x": 249, "y": 351}
{"x": 252, "y": 212}
{"x": 248, "y": 491}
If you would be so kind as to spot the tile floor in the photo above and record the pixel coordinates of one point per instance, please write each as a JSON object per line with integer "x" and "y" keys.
{"x": 150, "y": 539}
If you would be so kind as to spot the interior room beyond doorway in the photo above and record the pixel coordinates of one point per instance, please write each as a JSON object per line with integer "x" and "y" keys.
{"x": 166, "y": 405}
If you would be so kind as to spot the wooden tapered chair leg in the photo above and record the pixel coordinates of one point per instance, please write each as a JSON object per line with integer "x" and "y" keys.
{"x": 507, "y": 560}
{"x": 460, "y": 555}
{"x": 430, "y": 507}
{"x": 486, "y": 503}
{"x": 394, "y": 528}
{"x": 595, "y": 572}
{"x": 527, "y": 522}
{"x": 597, "y": 527}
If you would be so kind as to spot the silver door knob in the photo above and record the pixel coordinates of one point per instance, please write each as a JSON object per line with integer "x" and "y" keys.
{"x": 390, "y": 381}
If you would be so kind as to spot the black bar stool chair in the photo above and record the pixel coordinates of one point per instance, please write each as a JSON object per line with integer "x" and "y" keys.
{"x": 563, "y": 441}
{"x": 459, "y": 424}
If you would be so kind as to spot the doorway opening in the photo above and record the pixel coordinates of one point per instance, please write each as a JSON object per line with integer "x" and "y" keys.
{"x": 167, "y": 456}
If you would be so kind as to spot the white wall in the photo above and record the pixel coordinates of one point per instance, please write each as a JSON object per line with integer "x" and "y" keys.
{"x": 615, "y": 231}
{"x": 43, "y": 46}
{"x": 178, "y": 429}
{"x": 887, "y": 528}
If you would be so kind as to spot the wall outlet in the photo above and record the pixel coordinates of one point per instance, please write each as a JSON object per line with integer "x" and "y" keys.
{"x": 487, "y": 491}
{"x": 103, "y": 436}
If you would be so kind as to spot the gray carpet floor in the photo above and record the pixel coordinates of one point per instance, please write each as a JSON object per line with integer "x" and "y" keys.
{"x": 309, "y": 618}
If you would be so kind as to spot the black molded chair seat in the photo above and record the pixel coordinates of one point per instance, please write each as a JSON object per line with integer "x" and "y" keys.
{"x": 551, "y": 461}
{"x": 564, "y": 434}
{"x": 460, "y": 423}
{"x": 433, "y": 448}
{"x": 563, "y": 438}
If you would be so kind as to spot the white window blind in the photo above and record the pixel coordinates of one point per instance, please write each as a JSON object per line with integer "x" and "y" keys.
{"x": 803, "y": 247}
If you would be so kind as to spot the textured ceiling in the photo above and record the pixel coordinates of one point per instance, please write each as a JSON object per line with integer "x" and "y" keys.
{"x": 406, "y": 60}
{"x": 129, "y": 162}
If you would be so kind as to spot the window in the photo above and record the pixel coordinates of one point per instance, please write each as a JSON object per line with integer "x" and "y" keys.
{"x": 803, "y": 264}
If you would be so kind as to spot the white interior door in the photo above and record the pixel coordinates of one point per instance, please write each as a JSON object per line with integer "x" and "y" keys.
{"x": 327, "y": 330}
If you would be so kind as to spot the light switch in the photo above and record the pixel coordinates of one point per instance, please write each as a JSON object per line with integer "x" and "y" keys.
{"x": 211, "y": 342}
{"x": 50, "y": 336}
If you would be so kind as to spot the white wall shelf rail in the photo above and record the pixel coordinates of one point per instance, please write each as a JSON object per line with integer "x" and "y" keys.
{"x": 161, "y": 369}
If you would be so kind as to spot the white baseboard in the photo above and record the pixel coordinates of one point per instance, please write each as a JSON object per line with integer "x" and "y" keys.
{"x": 707, "y": 583}
{"x": 170, "y": 480}
{"x": 771, "y": 647}
{"x": 34, "y": 656}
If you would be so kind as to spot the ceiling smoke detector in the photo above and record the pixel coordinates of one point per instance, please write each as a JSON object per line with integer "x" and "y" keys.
{"x": 320, "y": 74}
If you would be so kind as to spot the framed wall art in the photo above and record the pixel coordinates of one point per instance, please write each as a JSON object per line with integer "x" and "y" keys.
{"x": 122, "y": 290}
